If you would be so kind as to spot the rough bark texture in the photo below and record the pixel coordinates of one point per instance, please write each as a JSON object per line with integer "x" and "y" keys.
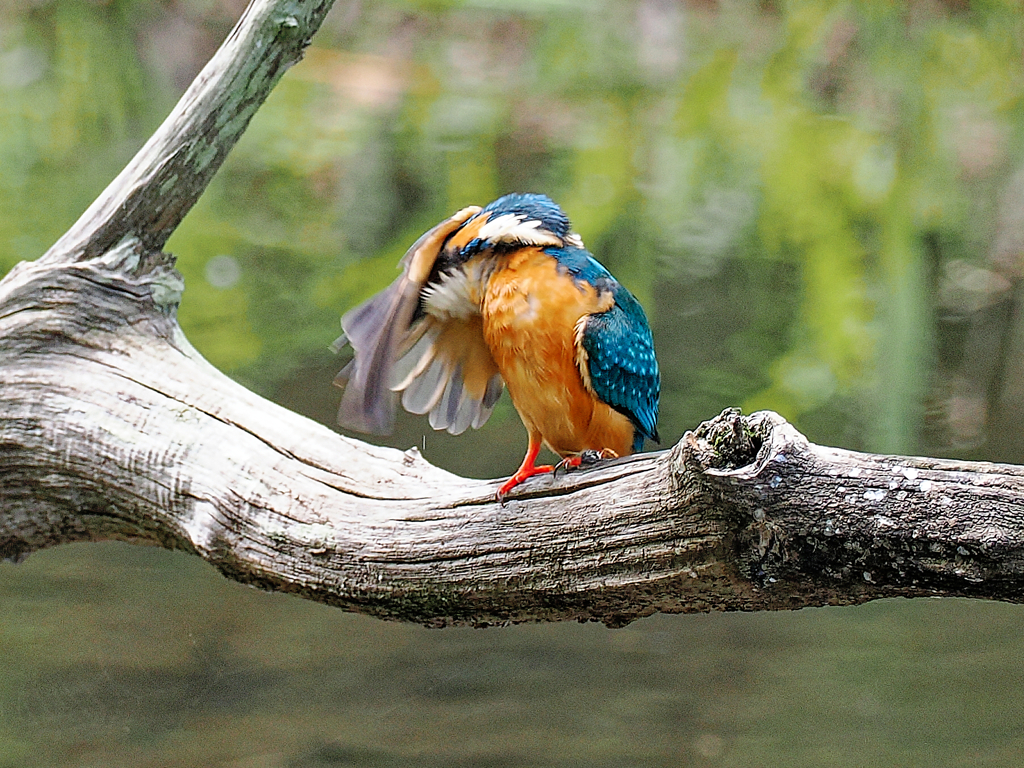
{"x": 113, "y": 427}
{"x": 824, "y": 525}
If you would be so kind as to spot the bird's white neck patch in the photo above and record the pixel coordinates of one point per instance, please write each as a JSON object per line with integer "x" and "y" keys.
{"x": 516, "y": 229}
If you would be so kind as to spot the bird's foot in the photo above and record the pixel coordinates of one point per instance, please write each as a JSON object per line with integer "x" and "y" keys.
{"x": 524, "y": 473}
{"x": 585, "y": 458}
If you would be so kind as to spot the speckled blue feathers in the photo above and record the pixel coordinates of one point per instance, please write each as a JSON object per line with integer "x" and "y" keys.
{"x": 620, "y": 359}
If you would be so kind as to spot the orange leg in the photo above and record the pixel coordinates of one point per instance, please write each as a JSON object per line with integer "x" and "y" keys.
{"x": 527, "y": 469}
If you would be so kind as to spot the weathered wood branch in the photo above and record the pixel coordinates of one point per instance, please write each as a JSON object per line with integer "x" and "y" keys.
{"x": 151, "y": 196}
{"x": 113, "y": 427}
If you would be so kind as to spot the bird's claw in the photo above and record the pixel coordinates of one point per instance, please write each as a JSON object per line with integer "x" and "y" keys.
{"x": 585, "y": 458}
{"x": 519, "y": 477}
{"x": 569, "y": 462}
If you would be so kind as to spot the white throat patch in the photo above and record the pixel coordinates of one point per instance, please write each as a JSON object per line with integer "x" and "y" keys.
{"x": 512, "y": 228}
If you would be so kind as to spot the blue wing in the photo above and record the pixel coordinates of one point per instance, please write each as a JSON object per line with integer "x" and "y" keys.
{"x": 621, "y": 363}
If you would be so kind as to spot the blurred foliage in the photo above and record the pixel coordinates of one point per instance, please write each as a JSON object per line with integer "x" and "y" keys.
{"x": 835, "y": 158}
{"x": 820, "y": 204}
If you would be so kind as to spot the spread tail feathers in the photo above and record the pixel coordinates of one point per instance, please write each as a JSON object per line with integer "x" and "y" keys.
{"x": 378, "y": 329}
{"x": 450, "y": 374}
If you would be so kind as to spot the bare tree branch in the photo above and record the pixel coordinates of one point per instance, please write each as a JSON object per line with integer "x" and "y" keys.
{"x": 160, "y": 185}
{"x": 113, "y": 427}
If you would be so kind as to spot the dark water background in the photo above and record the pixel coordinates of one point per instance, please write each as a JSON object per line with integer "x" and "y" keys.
{"x": 821, "y": 206}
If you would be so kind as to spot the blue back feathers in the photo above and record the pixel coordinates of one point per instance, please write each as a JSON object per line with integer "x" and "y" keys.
{"x": 621, "y": 362}
{"x": 620, "y": 349}
{"x": 579, "y": 263}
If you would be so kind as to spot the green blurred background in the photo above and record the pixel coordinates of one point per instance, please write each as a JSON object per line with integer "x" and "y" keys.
{"x": 821, "y": 206}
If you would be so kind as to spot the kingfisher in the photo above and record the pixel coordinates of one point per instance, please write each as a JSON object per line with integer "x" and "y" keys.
{"x": 506, "y": 296}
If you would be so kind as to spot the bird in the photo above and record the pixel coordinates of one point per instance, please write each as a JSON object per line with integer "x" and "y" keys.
{"x": 506, "y": 296}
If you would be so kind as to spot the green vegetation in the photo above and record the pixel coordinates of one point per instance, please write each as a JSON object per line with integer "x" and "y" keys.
{"x": 834, "y": 159}
{"x": 828, "y": 143}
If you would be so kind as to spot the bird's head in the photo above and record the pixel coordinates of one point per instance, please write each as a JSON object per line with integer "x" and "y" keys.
{"x": 510, "y": 222}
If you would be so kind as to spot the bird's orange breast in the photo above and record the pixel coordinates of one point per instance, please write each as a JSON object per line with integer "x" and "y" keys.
{"x": 530, "y": 309}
